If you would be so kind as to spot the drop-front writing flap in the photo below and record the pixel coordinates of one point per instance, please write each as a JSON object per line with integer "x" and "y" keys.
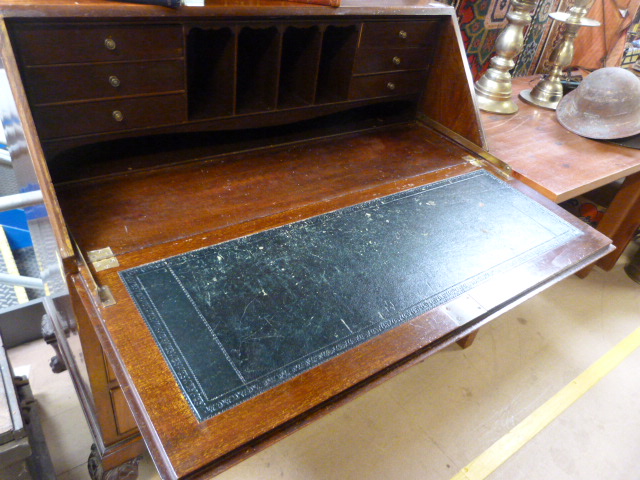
{"x": 235, "y": 319}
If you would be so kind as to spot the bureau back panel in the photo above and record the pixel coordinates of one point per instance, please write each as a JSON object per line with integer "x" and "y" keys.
{"x": 238, "y": 318}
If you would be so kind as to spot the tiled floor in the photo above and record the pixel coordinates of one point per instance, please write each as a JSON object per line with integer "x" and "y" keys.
{"x": 432, "y": 420}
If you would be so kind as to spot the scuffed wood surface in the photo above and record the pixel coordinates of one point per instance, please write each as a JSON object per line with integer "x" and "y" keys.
{"x": 136, "y": 210}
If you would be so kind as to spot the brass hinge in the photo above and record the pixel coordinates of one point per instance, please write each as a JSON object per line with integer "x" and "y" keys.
{"x": 482, "y": 163}
{"x": 106, "y": 297}
{"x": 102, "y": 259}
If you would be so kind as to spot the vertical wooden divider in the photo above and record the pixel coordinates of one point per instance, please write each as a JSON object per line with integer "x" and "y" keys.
{"x": 258, "y": 68}
{"x": 323, "y": 28}
{"x": 210, "y": 71}
{"x": 278, "y": 65}
{"x": 299, "y": 63}
{"x": 339, "y": 46}
{"x": 234, "y": 88}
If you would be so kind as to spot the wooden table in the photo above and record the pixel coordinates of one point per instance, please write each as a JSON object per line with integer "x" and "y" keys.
{"x": 562, "y": 165}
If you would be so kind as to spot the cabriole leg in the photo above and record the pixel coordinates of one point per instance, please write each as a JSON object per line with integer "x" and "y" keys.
{"x": 127, "y": 471}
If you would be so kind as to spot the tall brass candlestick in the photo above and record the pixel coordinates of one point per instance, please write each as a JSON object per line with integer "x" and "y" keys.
{"x": 548, "y": 91}
{"x": 494, "y": 87}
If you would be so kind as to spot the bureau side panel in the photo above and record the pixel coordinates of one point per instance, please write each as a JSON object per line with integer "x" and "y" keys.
{"x": 448, "y": 96}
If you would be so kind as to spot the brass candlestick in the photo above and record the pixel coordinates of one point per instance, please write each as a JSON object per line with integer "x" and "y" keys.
{"x": 494, "y": 87}
{"x": 548, "y": 91}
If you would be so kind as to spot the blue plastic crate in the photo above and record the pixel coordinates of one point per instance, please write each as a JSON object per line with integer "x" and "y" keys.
{"x": 16, "y": 229}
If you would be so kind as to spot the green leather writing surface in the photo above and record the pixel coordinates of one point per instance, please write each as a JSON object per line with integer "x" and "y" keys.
{"x": 238, "y": 318}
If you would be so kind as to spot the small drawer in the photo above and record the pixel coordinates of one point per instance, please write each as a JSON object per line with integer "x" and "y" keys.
{"x": 124, "y": 419}
{"x": 52, "y": 84}
{"x": 372, "y": 60}
{"x": 372, "y": 86}
{"x": 44, "y": 44}
{"x": 69, "y": 120}
{"x": 398, "y": 34}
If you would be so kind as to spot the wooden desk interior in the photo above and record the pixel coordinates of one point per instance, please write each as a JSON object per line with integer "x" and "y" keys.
{"x": 134, "y": 210}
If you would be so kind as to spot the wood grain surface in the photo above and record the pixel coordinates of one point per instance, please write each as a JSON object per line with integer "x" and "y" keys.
{"x": 265, "y": 8}
{"x": 544, "y": 155}
{"x": 448, "y": 97}
{"x": 139, "y": 209}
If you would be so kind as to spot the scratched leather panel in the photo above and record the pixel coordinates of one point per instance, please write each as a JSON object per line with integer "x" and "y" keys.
{"x": 238, "y": 318}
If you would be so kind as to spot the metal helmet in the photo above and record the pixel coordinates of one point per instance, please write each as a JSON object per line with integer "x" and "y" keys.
{"x": 605, "y": 105}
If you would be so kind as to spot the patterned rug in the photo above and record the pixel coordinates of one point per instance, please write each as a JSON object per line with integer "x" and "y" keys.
{"x": 482, "y": 21}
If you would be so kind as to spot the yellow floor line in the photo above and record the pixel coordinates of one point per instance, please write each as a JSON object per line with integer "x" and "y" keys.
{"x": 503, "y": 449}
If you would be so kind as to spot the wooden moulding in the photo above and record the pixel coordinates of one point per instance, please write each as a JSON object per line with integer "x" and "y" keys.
{"x": 328, "y": 3}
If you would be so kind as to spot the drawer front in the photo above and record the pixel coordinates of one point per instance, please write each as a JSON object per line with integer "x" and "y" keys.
{"x": 371, "y": 60}
{"x": 52, "y": 44}
{"x": 372, "y": 86}
{"x": 396, "y": 34}
{"x": 109, "y": 116}
{"x": 124, "y": 419}
{"x": 51, "y": 84}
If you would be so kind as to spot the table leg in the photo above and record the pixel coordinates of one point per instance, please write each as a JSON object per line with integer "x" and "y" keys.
{"x": 465, "y": 342}
{"x": 620, "y": 222}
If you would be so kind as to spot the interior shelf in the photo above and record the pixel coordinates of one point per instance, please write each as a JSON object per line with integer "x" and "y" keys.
{"x": 244, "y": 70}
{"x": 336, "y": 63}
{"x": 299, "y": 66}
{"x": 211, "y": 72}
{"x": 258, "y": 69}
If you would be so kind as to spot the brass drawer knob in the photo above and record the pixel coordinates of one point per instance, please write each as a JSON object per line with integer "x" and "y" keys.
{"x": 396, "y": 60}
{"x": 117, "y": 115}
{"x": 114, "y": 81}
{"x": 391, "y": 86}
{"x": 402, "y": 34}
{"x": 109, "y": 43}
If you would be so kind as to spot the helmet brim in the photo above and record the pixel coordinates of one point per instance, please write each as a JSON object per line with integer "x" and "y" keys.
{"x": 605, "y": 121}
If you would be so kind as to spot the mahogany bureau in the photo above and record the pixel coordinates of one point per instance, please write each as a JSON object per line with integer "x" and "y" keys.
{"x": 254, "y": 210}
